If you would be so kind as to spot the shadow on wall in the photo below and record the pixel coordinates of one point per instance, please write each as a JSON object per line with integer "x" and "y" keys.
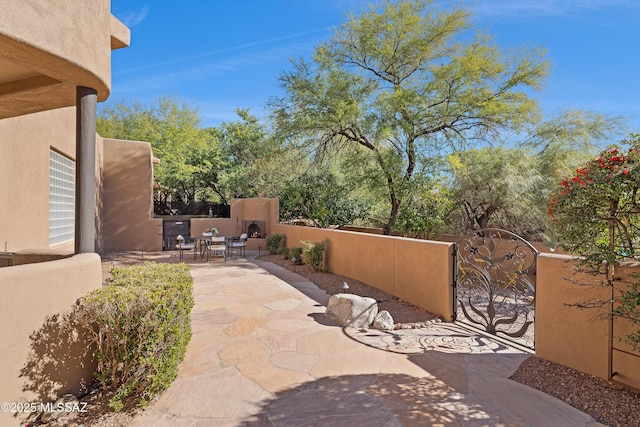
{"x": 377, "y": 400}
{"x": 60, "y": 361}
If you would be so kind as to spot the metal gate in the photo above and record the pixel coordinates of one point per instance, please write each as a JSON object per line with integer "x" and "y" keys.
{"x": 171, "y": 228}
{"x": 495, "y": 289}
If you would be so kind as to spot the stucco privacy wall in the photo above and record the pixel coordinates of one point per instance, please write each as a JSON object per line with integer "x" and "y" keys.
{"x": 578, "y": 338}
{"x": 127, "y": 222}
{"x": 60, "y": 362}
{"x": 259, "y": 208}
{"x": 625, "y": 361}
{"x": 125, "y": 199}
{"x": 417, "y": 271}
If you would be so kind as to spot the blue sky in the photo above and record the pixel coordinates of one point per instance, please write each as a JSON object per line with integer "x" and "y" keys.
{"x": 218, "y": 55}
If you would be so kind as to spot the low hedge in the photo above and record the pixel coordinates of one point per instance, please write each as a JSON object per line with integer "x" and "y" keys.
{"x": 141, "y": 325}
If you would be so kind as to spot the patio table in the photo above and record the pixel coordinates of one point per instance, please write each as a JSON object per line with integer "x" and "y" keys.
{"x": 203, "y": 244}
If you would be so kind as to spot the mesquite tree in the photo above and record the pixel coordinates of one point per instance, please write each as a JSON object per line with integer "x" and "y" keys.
{"x": 401, "y": 82}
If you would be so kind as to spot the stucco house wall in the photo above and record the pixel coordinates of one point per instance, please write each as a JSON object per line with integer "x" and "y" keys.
{"x": 25, "y": 143}
{"x": 52, "y": 54}
{"x": 127, "y": 214}
{"x": 49, "y": 48}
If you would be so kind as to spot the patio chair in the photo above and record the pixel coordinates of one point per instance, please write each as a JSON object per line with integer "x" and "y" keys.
{"x": 185, "y": 244}
{"x": 239, "y": 243}
{"x": 217, "y": 245}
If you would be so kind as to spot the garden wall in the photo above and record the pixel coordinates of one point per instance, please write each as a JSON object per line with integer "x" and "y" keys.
{"x": 126, "y": 220}
{"x": 42, "y": 358}
{"x": 416, "y": 271}
{"x": 421, "y": 273}
{"x": 625, "y": 361}
{"x": 580, "y": 337}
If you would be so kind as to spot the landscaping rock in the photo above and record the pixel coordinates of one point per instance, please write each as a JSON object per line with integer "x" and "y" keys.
{"x": 383, "y": 321}
{"x": 352, "y": 310}
{"x": 60, "y": 408}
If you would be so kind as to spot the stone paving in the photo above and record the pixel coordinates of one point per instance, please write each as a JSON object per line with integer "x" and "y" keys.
{"x": 263, "y": 354}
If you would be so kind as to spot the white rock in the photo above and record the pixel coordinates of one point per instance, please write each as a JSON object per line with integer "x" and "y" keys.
{"x": 352, "y": 310}
{"x": 383, "y": 321}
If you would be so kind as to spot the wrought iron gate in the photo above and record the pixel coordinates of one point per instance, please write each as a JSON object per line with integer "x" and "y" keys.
{"x": 495, "y": 287}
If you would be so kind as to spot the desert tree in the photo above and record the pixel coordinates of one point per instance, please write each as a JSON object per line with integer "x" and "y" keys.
{"x": 403, "y": 81}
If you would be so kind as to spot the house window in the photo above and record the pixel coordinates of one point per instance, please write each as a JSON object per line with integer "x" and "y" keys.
{"x": 61, "y": 198}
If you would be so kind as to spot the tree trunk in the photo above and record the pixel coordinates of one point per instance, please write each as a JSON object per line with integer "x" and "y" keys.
{"x": 395, "y": 208}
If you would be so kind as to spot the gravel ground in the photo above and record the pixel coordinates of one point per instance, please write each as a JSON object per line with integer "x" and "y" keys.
{"x": 608, "y": 403}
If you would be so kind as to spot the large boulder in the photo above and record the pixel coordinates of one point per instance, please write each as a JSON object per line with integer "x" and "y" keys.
{"x": 352, "y": 310}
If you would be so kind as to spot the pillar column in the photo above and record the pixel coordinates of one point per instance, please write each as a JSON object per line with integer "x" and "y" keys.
{"x": 85, "y": 228}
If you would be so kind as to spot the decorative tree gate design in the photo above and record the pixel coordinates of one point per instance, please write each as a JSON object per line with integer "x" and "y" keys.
{"x": 495, "y": 285}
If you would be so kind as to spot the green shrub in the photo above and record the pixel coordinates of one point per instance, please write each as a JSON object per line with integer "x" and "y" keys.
{"x": 294, "y": 254}
{"x": 314, "y": 254}
{"x": 595, "y": 213}
{"x": 275, "y": 243}
{"x": 141, "y": 325}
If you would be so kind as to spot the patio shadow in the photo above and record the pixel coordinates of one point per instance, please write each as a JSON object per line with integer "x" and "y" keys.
{"x": 372, "y": 400}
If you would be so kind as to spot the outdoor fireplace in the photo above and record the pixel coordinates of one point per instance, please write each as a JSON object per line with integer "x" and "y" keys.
{"x": 254, "y": 228}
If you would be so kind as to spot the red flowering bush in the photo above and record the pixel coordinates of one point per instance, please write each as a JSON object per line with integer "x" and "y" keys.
{"x": 596, "y": 213}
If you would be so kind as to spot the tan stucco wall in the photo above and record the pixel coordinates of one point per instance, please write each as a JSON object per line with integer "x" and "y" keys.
{"x": 625, "y": 360}
{"x": 24, "y": 174}
{"x": 63, "y": 44}
{"x": 579, "y": 338}
{"x": 125, "y": 199}
{"x": 417, "y": 271}
{"x": 226, "y": 226}
{"x": 420, "y": 272}
{"x": 565, "y": 334}
{"x": 127, "y": 222}
{"x": 31, "y": 293}
{"x": 34, "y": 256}
{"x": 259, "y": 208}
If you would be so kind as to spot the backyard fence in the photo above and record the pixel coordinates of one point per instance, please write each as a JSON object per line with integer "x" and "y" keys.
{"x": 422, "y": 273}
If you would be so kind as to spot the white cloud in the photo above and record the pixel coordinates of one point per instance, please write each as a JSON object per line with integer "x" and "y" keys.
{"x": 133, "y": 18}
